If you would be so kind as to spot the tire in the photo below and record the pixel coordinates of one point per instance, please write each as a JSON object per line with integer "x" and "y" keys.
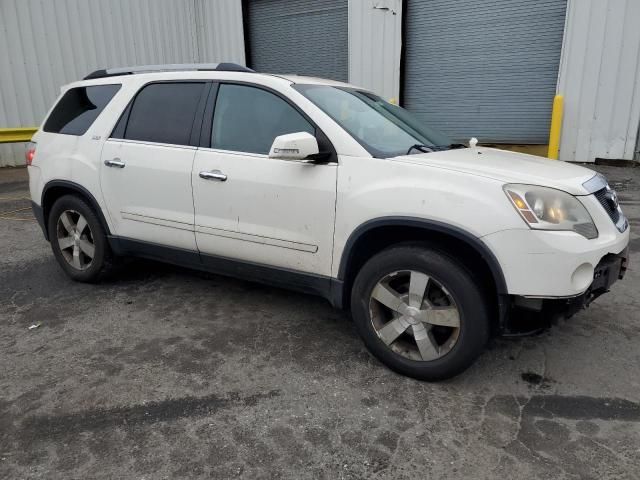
{"x": 451, "y": 297}
{"x": 63, "y": 223}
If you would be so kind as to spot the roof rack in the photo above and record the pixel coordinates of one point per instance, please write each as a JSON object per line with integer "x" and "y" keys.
{"x": 169, "y": 67}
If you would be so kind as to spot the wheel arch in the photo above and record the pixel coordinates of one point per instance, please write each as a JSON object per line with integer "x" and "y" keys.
{"x": 377, "y": 234}
{"x": 58, "y": 188}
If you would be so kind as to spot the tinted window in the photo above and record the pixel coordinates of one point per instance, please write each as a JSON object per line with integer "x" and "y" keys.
{"x": 248, "y": 119}
{"x": 164, "y": 113}
{"x": 78, "y": 108}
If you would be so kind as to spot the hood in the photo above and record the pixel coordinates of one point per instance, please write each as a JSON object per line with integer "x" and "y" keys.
{"x": 508, "y": 167}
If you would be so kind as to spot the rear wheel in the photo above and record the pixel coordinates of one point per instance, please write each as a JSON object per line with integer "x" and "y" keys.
{"x": 78, "y": 240}
{"x": 420, "y": 312}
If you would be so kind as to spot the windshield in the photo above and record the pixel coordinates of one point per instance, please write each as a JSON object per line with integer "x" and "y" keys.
{"x": 383, "y": 129}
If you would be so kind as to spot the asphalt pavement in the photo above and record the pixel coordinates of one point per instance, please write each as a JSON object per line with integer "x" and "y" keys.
{"x": 163, "y": 372}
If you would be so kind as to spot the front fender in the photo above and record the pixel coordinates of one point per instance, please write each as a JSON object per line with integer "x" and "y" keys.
{"x": 370, "y": 189}
{"x": 428, "y": 226}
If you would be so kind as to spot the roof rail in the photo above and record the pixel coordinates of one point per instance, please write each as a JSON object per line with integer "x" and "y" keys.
{"x": 169, "y": 67}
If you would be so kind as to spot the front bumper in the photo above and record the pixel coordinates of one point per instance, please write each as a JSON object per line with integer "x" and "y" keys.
{"x": 552, "y": 264}
{"x": 527, "y": 315}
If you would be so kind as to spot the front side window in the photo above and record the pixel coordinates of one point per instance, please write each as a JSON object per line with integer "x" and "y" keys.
{"x": 164, "y": 112}
{"x": 78, "y": 108}
{"x": 385, "y": 130}
{"x": 248, "y": 119}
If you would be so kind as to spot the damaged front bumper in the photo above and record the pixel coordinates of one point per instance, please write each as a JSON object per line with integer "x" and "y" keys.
{"x": 528, "y": 315}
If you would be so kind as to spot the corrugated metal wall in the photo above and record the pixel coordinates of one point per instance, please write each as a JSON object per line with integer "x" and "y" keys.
{"x": 219, "y": 27}
{"x": 375, "y": 44}
{"x": 484, "y": 68}
{"x": 600, "y": 80}
{"x": 45, "y": 44}
{"x": 307, "y": 37}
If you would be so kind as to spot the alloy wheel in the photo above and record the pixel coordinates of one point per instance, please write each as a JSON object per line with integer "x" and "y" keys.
{"x": 414, "y": 315}
{"x": 75, "y": 239}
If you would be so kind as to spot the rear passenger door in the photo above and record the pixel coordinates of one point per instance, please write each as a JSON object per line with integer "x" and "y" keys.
{"x": 147, "y": 162}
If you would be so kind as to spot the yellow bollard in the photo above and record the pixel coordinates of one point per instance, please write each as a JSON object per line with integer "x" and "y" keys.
{"x": 556, "y": 127}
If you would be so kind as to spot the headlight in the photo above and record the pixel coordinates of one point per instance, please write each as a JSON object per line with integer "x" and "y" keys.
{"x": 545, "y": 208}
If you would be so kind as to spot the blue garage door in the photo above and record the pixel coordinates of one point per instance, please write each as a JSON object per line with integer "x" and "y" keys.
{"x": 484, "y": 68}
{"x": 305, "y": 37}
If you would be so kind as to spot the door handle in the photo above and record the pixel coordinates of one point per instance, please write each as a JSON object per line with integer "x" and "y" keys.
{"x": 116, "y": 162}
{"x": 213, "y": 175}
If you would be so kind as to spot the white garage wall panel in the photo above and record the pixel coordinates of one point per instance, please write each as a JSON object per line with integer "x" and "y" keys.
{"x": 375, "y": 44}
{"x": 48, "y": 43}
{"x": 220, "y": 34}
{"x": 600, "y": 80}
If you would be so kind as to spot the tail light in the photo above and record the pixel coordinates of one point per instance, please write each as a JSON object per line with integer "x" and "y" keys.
{"x": 30, "y": 153}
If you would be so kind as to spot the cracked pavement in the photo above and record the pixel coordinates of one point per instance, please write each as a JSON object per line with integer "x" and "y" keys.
{"x": 163, "y": 372}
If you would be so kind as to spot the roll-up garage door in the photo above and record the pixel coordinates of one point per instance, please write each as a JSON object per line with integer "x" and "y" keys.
{"x": 484, "y": 68}
{"x": 306, "y": 37}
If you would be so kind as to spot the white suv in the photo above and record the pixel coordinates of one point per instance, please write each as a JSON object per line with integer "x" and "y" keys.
{"x": 323, "y": 187}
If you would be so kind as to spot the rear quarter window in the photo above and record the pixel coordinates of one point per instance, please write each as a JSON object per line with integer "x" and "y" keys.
{"x": 78, "y": 108}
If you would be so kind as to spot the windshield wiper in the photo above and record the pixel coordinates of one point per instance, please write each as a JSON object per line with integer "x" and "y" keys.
{"x": 421, "y": 148}
{"x": 433, "y": 148}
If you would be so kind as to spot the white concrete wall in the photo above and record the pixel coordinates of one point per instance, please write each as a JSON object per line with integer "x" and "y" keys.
{"x": 375, "y": 41}
{"x": 600, "y": 80}
{"x": 47, "y": 43}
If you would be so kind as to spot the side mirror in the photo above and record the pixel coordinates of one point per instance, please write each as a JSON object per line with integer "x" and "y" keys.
{"x": 294, "y": 146}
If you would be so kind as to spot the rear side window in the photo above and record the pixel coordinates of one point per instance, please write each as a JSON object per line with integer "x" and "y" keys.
{"x": 164, "y": 113}
{"x": 78, "y": 108}
{"x": 248, "y": 119}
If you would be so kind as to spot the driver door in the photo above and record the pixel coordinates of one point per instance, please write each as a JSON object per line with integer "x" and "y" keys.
{"x": 257, "y": 209}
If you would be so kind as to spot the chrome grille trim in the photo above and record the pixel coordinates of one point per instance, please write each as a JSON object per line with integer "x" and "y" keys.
{"x": 608, "y": 199}
{"x": 612, "y": 211}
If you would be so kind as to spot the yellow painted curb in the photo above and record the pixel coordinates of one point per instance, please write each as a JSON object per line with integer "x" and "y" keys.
{"x": 16, "y": 135}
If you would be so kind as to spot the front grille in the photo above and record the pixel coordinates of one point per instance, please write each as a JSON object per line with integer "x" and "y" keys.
{"x": 608, "y": 205}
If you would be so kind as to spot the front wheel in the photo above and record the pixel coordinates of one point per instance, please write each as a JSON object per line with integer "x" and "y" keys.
{"x": 420, "y": 312}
